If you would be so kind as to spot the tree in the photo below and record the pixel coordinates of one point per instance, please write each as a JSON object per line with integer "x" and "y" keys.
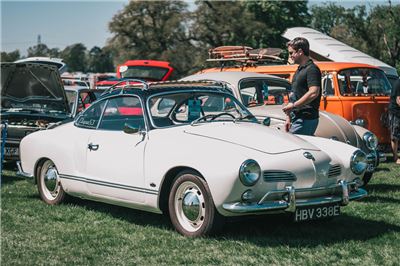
{"x": 38, "y": 50}
{"x": 327, "y": 16}
{"x": 216, "y": 23}
{"x": 99, "y": 60}
{"x": 10, "y": 57}
{"x": 151, "y": 30}
{"x": 75, "y": 57}
{"x": 277, "y": 16}
{"x": 375, "y": 33}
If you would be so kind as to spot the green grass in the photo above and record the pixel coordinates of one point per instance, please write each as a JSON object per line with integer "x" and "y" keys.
{"x": 89, "y": 233}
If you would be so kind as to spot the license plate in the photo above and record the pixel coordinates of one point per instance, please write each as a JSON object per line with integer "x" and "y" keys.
{"x": 316, "y": 212}
{"x": 11, "y": 151}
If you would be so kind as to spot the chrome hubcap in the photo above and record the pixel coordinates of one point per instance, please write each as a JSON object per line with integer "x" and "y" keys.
{"x": 190, "y": 206}
{"x": 50, "y": 181}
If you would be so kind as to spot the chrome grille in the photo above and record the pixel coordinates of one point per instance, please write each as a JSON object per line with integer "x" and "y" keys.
{"x": 278, "y": 176}
{"x": 334, "y": 170}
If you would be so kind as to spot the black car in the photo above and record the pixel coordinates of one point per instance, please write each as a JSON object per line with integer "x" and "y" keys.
{"x": 32, "y": 98}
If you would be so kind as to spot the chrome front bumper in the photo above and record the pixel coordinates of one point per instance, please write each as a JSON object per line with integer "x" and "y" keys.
{"x": 290, "y": 203}
{"x": 21, "y": 173}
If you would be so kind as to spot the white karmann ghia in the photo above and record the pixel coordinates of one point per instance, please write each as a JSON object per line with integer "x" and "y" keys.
{"x": 192, "y": 150}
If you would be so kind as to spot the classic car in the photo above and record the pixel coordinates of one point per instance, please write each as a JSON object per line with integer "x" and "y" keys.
{"x": 148, "y": 70}
{"x": 357, "y": 92}
{"x": 32, "y": 98}
{"x": 264, "y": 95}
{"x": 192, "y": 150}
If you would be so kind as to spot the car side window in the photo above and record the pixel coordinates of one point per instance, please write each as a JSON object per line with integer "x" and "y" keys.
{"x": 327, "y": 85}
{"x": 91, "y": 118}
{"x": 120, "y": 111}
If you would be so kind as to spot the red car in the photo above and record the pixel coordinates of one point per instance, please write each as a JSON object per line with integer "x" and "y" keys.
{"x": 147, "y": 70}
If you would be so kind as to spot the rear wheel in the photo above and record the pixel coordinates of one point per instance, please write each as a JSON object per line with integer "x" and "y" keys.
{"x": 48, "y": 183}
{"x": 191, "y": 207}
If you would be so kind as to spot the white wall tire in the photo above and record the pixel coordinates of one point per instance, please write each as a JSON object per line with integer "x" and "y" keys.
{"x": 191, "y": 208}
{"x": 48, "y": 183}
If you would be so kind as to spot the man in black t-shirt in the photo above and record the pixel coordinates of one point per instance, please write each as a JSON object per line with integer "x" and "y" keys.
{"x": 302, "y": 109}
{"x": 394, "y": 119}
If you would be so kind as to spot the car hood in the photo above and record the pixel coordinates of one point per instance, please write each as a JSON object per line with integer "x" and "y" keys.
{"x": 330, "y": 126}
{"x": 251, "y": 135}
{"x": 32, "y": 86}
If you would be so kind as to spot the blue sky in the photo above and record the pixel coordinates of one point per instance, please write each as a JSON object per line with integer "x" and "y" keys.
{"x": 62, "y": 23}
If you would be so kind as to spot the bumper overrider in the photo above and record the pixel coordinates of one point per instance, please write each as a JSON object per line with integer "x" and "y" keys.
{"x": 347, "y": 192}
{"x": 373, "y": 160}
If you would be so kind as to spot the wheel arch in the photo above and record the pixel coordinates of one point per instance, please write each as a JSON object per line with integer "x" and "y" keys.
{"x": 38, "y": 164}
{"x": 167, "y": 184}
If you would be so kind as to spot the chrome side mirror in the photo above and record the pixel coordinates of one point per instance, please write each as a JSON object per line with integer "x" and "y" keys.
{"x": 128, "y": 129}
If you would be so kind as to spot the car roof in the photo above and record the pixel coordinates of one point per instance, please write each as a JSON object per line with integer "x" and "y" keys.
{"x": 276, "y": 69}
{"x": 232, "y": 77}
{"x": 147, "y": 89}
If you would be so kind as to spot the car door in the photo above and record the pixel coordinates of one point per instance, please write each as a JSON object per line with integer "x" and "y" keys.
{"x": 115, "y": 158}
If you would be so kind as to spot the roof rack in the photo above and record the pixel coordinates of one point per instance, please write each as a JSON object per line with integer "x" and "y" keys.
{"x": 244, "y": 54}
{"x": 124, "y": 84}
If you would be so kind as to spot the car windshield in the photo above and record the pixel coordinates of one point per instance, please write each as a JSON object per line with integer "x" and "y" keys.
{"x": 145, "y": 72}
{"x": 263, "y": 92}
{"x": 359, "y": 81}
{"x": 196, "y": 107}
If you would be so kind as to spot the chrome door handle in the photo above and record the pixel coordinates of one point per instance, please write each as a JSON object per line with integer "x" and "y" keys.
{"x": 93, "y": 147}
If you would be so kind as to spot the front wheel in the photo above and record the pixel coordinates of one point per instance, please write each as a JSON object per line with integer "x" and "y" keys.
{"x": 49, "y": 185}
{"x": 191, "y": 207}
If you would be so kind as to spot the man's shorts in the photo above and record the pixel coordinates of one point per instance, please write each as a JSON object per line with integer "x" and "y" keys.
{"x": 394, "y": 126}
{"x": 304, "y": 126}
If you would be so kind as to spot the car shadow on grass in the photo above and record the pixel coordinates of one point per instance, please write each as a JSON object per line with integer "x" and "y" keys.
{"x": 133, "y": 216}
{"x": 278, "y": 230}
{"x": 265, "y": 230}
{"x": 382, "y": 188}
{"x": 9, "y": 176}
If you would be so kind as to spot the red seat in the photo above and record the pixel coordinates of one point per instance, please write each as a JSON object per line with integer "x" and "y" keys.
{"x": 130, "y": 110}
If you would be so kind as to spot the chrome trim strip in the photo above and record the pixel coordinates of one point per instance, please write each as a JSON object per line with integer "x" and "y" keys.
{"x": 291, "y": 203}
{"x": 109, "y": 184}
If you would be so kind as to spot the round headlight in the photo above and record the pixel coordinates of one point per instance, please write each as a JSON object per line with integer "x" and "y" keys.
{"x": 249, "y": 172}
{"x": 370, "y": 140}
{"x": 358, "y": 162}
{"x": 360, "y": 122}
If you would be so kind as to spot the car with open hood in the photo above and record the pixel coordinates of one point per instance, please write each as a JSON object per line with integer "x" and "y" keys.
{"x": 264, "y": 95}
{"x": 32, "y": 98}
{"x": 192, "y": 150}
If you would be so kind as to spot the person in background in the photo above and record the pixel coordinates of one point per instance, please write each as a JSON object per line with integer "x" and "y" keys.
{"x": 394, "y": 120}
{"x": 303, "y": 109}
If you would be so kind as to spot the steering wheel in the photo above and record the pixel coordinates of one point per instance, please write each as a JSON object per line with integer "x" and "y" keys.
{"x": 222, "y": 114}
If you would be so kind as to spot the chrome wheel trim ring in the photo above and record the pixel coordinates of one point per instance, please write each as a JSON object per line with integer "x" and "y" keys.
{"x": 50, "y": 181}
{"x": 190, "y": 217}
